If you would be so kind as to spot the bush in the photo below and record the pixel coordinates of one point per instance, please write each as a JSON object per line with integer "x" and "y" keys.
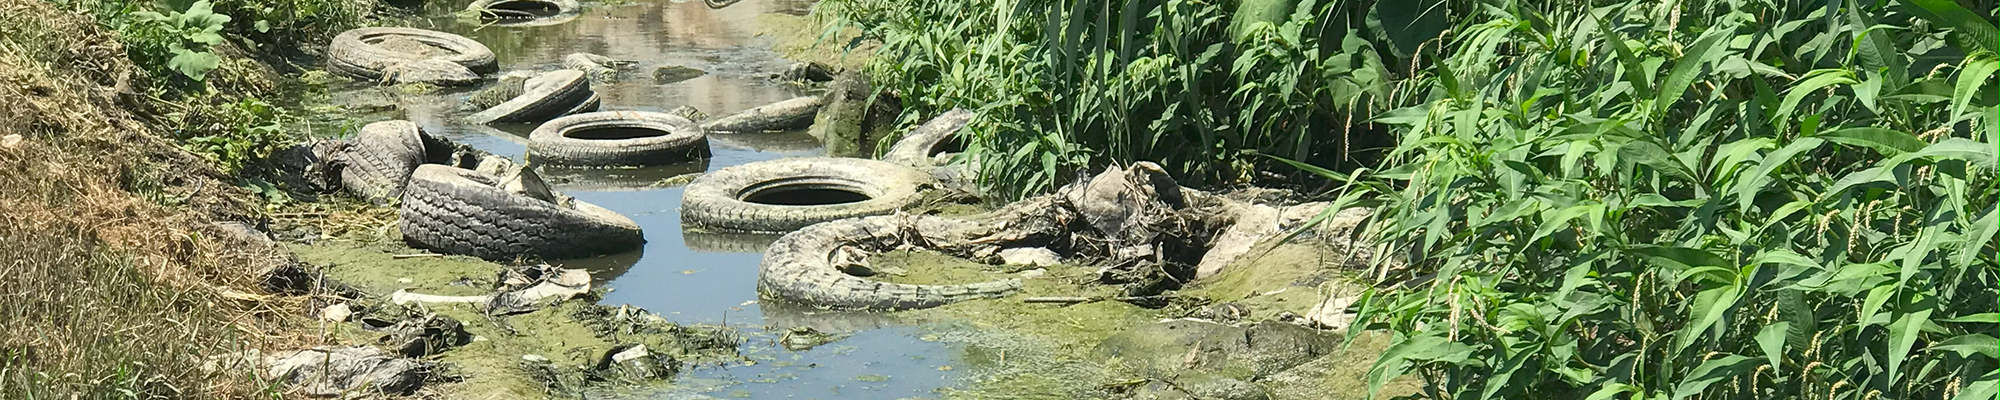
{"x": 1709, "y": 199}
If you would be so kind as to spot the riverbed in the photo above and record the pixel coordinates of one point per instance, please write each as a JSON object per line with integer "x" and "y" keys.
{"x": 687, "y": 277}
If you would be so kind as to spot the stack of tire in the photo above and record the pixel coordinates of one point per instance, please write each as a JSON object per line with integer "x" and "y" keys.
{"x": 492, "y": 210}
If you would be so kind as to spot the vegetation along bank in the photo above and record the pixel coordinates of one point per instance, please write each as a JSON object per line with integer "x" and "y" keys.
{"x": 1579, "y": 199}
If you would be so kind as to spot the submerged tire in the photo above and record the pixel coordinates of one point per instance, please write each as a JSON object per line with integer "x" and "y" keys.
{"x": 788, "y": 194}
{"x": 617, "y": 138}
{"x": 522, "y": 12}
{"x": 355, "y": 52}
{"x": 804, "y": 267}
{"x": 459, "y": 211}
{"x": 544, "y": 97}
{"x": 380, "y": 159}
{"x": 789, "y": 114}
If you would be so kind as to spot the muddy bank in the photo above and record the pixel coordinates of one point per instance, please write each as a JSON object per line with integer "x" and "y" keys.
{"x": 554, "y": 350}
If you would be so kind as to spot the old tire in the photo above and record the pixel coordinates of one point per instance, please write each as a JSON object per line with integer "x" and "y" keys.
{"x": 544, "y": 97}
{"x": 354, "y": 52}
{"x": 617, "y": 138}
{"x": 939, "y": 136}
{"x": 459, "y": 211}
{"x": 378, "y": 161}
{"x": 788, "y": 194}
{"x": 510, "y": 12}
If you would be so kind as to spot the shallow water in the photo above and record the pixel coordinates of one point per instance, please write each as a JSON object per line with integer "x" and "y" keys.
{"x": 692, "y": 276}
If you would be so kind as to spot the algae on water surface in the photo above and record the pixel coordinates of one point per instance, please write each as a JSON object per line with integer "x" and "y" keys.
{"x": 573, "y": 335}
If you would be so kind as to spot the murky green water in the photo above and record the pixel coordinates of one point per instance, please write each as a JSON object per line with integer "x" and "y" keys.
{"x": 693, "y": 277}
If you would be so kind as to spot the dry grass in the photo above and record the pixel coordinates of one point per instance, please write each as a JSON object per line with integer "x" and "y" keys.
{"x": 111, "y": 283}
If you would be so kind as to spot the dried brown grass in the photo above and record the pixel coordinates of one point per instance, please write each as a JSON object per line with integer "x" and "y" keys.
{"x": 112, "y": 282}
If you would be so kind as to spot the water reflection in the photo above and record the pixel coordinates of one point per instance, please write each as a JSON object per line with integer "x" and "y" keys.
{"x": 619, "y": 179}
{"x": 712, "y": 242}
{"x": 604, "y": 269}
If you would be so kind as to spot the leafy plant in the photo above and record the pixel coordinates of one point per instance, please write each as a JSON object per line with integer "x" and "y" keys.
{"x": 1061, "y": 84}
{"x": 1738, "y": 200}
{"x": 236, "y": 135}
{"x": 196, "y": 29}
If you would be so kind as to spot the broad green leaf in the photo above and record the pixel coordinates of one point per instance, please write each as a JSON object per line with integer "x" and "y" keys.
{"x": 1709, "y": 306}
{"x": 1771, "y": 339}
{"x": 1812, "y": 82}
{"x": 194, "y": 64}
{"x": 1612, "y": 390}
{"x": 1978, "y": 30}
{"x": 1633, "y": 66}
{"x": 1983, "y": 388}
{"x": 1680, "y": 258}
{"x": 1747, "y": 187}
{"x": 1645, "y": 152}
{"x": 1712, "y": 371}
{"x": 1711, "y": 46}
{"x": 1973, "y": 75}
{"x": 1889, "y": 142}
{"x": 1981, "y": 318}
{"x": 1969, "y": 344}
{"x": 1902, "y": 336}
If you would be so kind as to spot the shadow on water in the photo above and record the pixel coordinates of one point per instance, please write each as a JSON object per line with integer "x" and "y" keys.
{"x": 685, "y": 276}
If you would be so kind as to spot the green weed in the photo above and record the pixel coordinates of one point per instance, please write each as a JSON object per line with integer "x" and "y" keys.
{"x": 1693, "y": 199}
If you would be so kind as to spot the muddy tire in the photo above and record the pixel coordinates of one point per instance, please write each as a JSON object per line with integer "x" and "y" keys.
{"x": 788, "y": 194}
{"x": 378, "y": 161}
{"x": 459, "y": 211}
{"x": 545, "y": 97}
{"x": 784, "y": 115}
{"x": 804, "y": 267}
{"x": 513, "y": 11}
{"x": 937, "y": 137}
{"x": 617, "y": 138}
{"x": 355, "y": 52}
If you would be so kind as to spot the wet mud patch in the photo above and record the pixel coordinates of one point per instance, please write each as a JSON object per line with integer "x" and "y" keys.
{"x": 572, "y": 348}
{"x": 1013, "y": 349}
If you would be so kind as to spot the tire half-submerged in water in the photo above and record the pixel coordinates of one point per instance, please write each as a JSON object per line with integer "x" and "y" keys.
{"x": 617, "y": 138}
{"x": 525, "y": 12}
{"x": 788, "y": 194}
{"x": 459, "y": 211}
{"x": 543, "y": 97}
{"x": 361, "y": 52}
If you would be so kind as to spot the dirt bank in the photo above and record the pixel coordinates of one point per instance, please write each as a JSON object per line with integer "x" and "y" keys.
{"x": 117, "y": 277}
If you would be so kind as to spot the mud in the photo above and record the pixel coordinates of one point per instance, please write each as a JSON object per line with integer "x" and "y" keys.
{"x": 572, "y": 336}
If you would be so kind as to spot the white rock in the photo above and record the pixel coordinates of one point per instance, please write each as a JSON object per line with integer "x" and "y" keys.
{"x": 9, "y": 141}
{"x": 336, "y": 313}
{"x": 1036, "y": 256}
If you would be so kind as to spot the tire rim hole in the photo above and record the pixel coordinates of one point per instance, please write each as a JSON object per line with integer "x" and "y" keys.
{"x": 950, "y": 144}
{"x": 614, "y": 133}
{"x": 805, "y": 195}
{"x": 523, "y": 9}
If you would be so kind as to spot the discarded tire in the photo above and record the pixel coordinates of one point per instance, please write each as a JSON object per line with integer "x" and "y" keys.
{"x": 544, "y": 97}
{"x": 378, "y": 161}
{"x": 924, "y": 144}
{"x": 789, "y": 114}
{"x": 617, "y": 138}
{"x": 522, "y": 12}
{"x": 806, "y": 267}
{"x": 361, "y": 52}
{"x": 788, "y": 194}
{"x": 458, "y": 211}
